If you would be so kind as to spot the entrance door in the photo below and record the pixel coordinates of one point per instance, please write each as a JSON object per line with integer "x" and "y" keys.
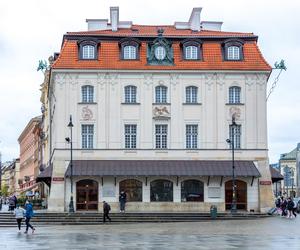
{"x": 87, "y": 195}
{"x": 241, "y": 194}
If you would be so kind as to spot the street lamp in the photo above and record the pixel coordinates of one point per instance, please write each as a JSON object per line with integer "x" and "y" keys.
{"x": 231, "y": 143}
{"x": 69, "y": 140}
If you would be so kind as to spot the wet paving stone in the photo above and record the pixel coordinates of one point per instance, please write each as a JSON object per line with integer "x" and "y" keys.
{"x": 270, "y": 233}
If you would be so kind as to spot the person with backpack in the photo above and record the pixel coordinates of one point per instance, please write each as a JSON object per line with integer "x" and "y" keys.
{"x": 19, "y": 214}
{"x": 106, "y": 209}
{"x": 290, "y": 207}
{"x": 28, "y": 215}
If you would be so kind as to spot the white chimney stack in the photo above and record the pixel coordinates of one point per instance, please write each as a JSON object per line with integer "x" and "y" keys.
{"x": 194, "y": 21}
{"x": 114, "y": 18}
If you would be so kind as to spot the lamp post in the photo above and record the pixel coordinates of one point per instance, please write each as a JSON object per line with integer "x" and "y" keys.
{"x": 69, "y": 140}
{"x": 231, "y": 143}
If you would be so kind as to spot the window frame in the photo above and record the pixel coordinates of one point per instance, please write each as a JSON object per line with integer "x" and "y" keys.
{"x": 234, "y": 95}
{"x": 161, "y": 138}
{"x": 233, "y": 43}
{"x": 182, "y": 190}
{"x": 83, "y": 43}
{"x": 129, "y": 42}
{"x": 169, "y": 190}
{"x": 195, "y": 43}
{"x": 189, "y": 97}
{"x": 89, "y": 144}
{"x": 234, "y": 136}
{"x": 132, "y": 98}
{"x": 132, "y": 136}
{"x": 160, "y": 97}
{"x": 191, "y": 138}
{"x": 88, "y": 95}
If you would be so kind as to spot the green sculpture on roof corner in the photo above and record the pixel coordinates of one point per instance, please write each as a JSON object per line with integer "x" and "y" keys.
{"x": 43, "y": 66}
{"x": 280, "y": 65}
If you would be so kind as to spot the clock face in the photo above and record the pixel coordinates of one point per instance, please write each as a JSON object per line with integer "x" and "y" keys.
{"x": 160, "y": 53}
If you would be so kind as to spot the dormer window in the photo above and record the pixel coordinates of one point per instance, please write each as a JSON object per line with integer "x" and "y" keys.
{"x": 88, "y": 50}
{"x": 233, "y": 50}
{"x": 129, "y": 49}
{"x": 129, "y": 52}
{"x": 233, "y": 53}
{"x": 191, "y": 49}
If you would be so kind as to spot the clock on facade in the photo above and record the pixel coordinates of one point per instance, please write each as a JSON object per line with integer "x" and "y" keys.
{"x": 160, "y": 53}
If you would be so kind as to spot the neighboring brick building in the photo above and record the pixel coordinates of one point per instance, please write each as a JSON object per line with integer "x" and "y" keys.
{"x": 29, "y": 142}
{"x": 152, "y": 107}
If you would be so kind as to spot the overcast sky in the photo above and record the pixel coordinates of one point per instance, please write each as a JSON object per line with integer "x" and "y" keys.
{"x": 32, "y": 30}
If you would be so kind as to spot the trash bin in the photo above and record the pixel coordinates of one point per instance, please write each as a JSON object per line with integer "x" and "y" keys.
{"x": 213, "y": 212}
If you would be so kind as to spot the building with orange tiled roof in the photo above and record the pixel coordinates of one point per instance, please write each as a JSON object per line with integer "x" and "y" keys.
{"x": 156, "y": 111}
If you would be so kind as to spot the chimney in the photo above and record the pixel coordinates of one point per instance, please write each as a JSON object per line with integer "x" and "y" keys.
{"x": 114, "y": 18}
{"x": 194, "y": 20}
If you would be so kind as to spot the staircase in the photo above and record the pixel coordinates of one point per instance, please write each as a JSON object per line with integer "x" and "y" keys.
{"x": 47, "y": 219}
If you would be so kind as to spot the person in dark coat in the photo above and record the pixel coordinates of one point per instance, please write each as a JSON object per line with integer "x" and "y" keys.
{"x": 290, "y": 207}
{"x": 283, "y": 206}
{"x": 122, "y": 200}
{"x": 106, "y": 209}
{"x": 28, "y": 216}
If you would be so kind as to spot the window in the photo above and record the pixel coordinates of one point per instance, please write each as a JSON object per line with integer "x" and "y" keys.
{"x": 191, "y": 136}
{"x": 130, "y": 94}
{"x": 87, "y": 133}
{"x": 191, "y": 94}
{"x": 133, "y": 189}
{"x": 161, "y": 136}
{"x": 233, "y": 53}
{"x": 161, "y": 190}
{"x": 161, "y": 94}
{"x": 87, "y": 93}
{"x": 235, "y": 136}
{"x": 235, "y": 94}
{"x": 129, "y": 52}
{"x": 191, "y": 53}
{"x": 130, "y": 136}
{"x": 88, "y": 52}
{"x": 192, "y": 190}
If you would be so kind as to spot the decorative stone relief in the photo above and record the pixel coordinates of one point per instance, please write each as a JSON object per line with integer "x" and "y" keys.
{"x": 220, "y": 80}
{"x": 148, "y": 80}
{"x": 60, "y": 80}
{"x": 210, "y": 79}
{"x": 72, "y": 79}
{"x": 86, "y": 113}
{"x": 174, "y": 80}
{"x": 101, "y": 80}
{"x": 112, "y": 79}
{"x": 261, "y": 80}
{"x": 250, "y": 80}
{"x": 235, "y": 111}
{"x": 161, "y": 112}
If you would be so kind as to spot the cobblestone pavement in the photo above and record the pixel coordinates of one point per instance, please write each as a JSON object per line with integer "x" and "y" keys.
{"x": 270, "y": 233}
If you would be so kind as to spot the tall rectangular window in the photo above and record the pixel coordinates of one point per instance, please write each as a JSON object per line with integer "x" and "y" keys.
{"x": 130, "y": 94}
{"x": 87, "y": 135}
{"x": 87, "y": 92}
{"x": 130, "y": 136}
{"x": 161, "y": 136}
{"x": 161, "y": 94}
{"x": 235, "y": 135}
{"x": 191, "y": 94}
{"x": 191, "y": 136}
{"x": 234, "y": 94}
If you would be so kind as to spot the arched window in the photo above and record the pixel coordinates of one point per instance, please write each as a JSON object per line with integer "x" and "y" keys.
{"x": 192, "y": 190}
{"x": 133, "y": 189}
{"x": 234, "y": 94}
{"x": 130, "y": 94}
{"x": 233, "y": 53}
{"x": 191, "y": 52}
{"x": 87, "y": 195}
{"x": 129, "y": 52}
{"x": 88, "y": 52}
{"x": 87, "y": 93}
{"x": 161, "y": 94}
{"x": 191, "y": 94}
{"x": 161, "y": 190}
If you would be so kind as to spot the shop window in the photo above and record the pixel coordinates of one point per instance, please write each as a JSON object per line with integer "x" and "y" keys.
{"x": 161, "y": 190}
{"x": 133, "y": 189}
{"x": 192, "y": 190}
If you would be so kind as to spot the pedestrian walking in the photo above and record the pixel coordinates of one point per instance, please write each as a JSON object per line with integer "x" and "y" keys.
{"x": 19, "y": 214}
{"x": 11, "y": 204}
{"x": 122, "y": 200}
{"x": 0, "y": 203}
{"x": 28, "y": 215}
{"x": 283, "y": 206}
{"x": 277, "y": 204}
{"x": 15, "y": 201}
{"x": 290, "y": 207}
{"x": 295, "y": 209}
{"x": 106, "y": 209}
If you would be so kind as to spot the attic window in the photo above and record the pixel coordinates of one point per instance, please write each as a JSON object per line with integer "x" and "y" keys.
{"x": 129, "y": 49}
{"x": 233, "y": 50}
{"x": 191, "y": 49}
{"x": 88, "y": 50}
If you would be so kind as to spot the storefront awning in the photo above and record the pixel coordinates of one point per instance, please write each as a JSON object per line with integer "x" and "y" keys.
{"x": 161, "y": 168}
{"x": 46, "y": 175}
{"x": 276, "y": 175}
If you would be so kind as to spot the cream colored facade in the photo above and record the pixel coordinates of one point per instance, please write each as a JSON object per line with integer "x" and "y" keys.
{"x": 109, "y": 114}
